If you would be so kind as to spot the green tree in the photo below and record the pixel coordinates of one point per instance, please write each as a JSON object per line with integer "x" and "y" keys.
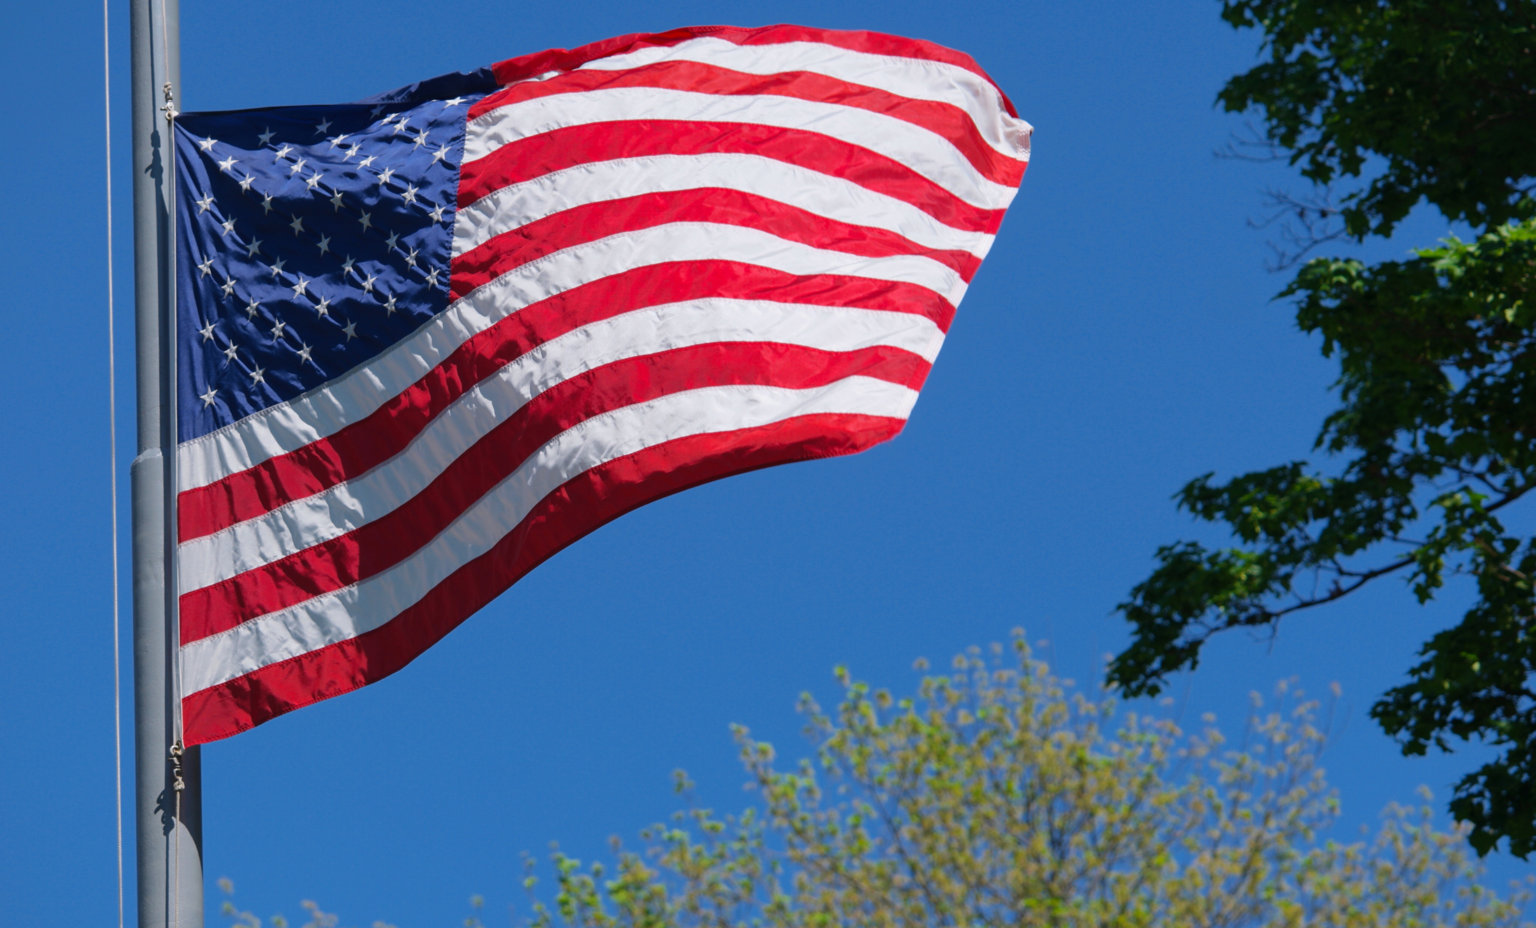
{"x": 997, "y": 796}
{"x": 1400, "y": 103}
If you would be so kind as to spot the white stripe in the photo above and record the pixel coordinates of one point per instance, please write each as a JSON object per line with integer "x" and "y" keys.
{"x": 832, "y": 197}
{"x": 355, "y": 395}
{"x": 914, "y": 78}
{"x": 370, "y": 603}
{"x": 928, "y": 153}
{"x": 683, "y": 241}
{"x": 373, "y": 495}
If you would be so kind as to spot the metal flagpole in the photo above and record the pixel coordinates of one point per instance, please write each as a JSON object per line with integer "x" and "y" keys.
{"x": 168, "y": 799}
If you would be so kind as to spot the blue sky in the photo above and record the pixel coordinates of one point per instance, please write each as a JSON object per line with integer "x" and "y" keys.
{"x": 1119, "y": 340}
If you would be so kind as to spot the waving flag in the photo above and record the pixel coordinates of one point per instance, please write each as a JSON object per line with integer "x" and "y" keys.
{"x": 427, "y": 340}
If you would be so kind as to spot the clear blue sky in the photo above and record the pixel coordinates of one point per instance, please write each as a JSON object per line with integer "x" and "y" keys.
{"x": 1119, "y": 340}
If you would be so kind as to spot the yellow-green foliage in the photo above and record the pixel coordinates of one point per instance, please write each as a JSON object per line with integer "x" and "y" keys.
{"x": 997, "y": 796}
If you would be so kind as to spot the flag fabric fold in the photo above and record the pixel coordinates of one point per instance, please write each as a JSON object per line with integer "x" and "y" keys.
{"x": 427, "y": 340}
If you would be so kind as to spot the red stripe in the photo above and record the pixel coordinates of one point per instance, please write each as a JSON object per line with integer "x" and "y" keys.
{"x": 875, "y": 43}
{"x": 374, "y": 439}
{"x": 583, "y": 504}
{"x": 387, "y": 540}
{"x": 946, "y": 120}
{"x": 722, "y": 206}
{"x": 568, "y": 147}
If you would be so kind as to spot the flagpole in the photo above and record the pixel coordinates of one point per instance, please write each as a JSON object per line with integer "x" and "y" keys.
{"x": 168, "y": 799}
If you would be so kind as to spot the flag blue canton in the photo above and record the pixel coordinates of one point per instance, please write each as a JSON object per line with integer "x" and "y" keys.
{"x": 310, "y": 239}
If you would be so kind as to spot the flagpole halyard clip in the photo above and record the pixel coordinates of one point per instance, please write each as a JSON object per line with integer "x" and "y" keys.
{"x": 177, "y": 783}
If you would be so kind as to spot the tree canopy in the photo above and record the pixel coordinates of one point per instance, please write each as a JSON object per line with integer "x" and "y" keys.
{"x": 1415, "y": 473}
{"x": 999, "y": 796}
{"x": 1421, "y": 100}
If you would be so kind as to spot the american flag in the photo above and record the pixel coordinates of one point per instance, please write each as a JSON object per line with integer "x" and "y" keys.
{"x": 427, "y": 340}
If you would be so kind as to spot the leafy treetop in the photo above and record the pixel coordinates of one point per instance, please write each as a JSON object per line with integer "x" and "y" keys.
{"x": 998, "y": 796}
{"x": 1434, "y": 437}
{"x": 1434, "y": 98}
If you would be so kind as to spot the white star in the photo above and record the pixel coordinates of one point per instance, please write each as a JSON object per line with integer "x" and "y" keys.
{"x": 350, "y": 329}
{"x": 229, "y": 353}
{"x": 283, "y": 152}
{"x": 251, "y": 308}
{"x": 277, "y": 329}
{"x": 228, "y": 164}
{"x": 310, "y": 182}
{"x": 205, "y": 144}
{"x": 204, "y": 203}
{"x": 207, "y": 398}
{"x": 303, "y": 352}
{"x": 205, "y": 268}
{"x": 389, "y": 306}
{"x": 365, "y": 220}
{"x": 245, "y": 183}
{"x": 420, "y": 140}
{"x": 346, "y": 266}
{"x": 411, "y": 258}
{"x": 266, "y": 203}
{"x": 266, "y": 135}
{"x": 277, "y": 267}
{"x": 440, "y": 154}
{"x": 254, "y": 248}
{"x": 336, "y": 202}
{"x": 384, "y": 178}
{"x": 391, "y": 241}
{"x": 368, "y": 283}
{"x": 437, "y": 213}
{"x": 297, "y": 166}
{"x": 206, "y": 332}
{"x": 351, "y": 152}
{"x": 297, "y": 225}
{"x": 379, "y": 109}
{"x": 258, "y": 375}
{"x": 410, "y": 194}
{"x": 366, "y": 161}
{"x": 432, "y": 277}
{"x": 400, "y": 126}
{"x": 456, "y": 101}
{"x": 228, "y": 226}
{"x": 228, "y": 287}
{"x": 338, "y": 140}
{"x": 324, "y": 244}
{"x": 323, "y": 128}
{"x": 300, "y": 287}
{"x": 323, "y": 308}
